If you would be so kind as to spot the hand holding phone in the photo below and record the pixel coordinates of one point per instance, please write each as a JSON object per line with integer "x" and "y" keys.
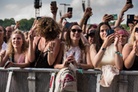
{"x": 53, "y": 6}
{"x": 70, "y": 9}
{"x": 114, "y": 16}
{"x": 129, "y": 1}
{"x": 69, "y": 12}
{"x": 130, "y": 18}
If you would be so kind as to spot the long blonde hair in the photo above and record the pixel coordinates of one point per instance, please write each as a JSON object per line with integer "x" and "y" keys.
{"x": 10, "y": 48}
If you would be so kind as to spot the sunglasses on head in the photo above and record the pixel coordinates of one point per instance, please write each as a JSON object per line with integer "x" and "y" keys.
{"x": 136, "y": 29}
{"x": 78, "y": 30}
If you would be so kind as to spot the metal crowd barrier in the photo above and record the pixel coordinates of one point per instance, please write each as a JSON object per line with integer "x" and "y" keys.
{"x": 37, "y": 80}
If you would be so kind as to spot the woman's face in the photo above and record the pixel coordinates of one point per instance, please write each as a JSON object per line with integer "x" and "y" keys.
{"x": 136, "y": 33}
{"x": 17, "y": 40}
{"x": 122, "y": 39}
{"x": 75, "y": 33}
{"x": 91, "y": 39}
{"x": 1, "y": 33}
{"x": 103, "y": 31}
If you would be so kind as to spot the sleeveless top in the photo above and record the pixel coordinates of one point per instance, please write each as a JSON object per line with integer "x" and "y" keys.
{"x": 40, "y": 59}
{"x": 75, "y": 51}
{"x": 21, "y": 58}
{"x": 135, "y": 64}
{"x": 108, "y": 57}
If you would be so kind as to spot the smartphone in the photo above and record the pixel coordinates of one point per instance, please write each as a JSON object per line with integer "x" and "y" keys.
{"x": 129, "y": 2}
{"x": 136, "y": 30}
{"x": 130, "y": 18}
{"x": 70, "y": 9}
{"x": 54, "y": 3}
{"x": 67, "y": 25}
{"x": 38, "y": 17}
{"x": 114, "y": 16}
{"x": 110, "y": 31}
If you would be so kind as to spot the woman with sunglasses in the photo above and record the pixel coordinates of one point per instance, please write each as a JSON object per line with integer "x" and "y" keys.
{"x": 130, "y": 51}
{"x": 106, "y": 50}
{"x": 73, "y": 50}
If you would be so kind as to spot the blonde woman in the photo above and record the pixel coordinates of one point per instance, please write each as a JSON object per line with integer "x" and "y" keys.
{"x": 16, "y": 51}
{"x": 130, "y": 51}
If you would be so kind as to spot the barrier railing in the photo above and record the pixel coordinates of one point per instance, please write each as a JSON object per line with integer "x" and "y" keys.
{"x": 37, "y": 80}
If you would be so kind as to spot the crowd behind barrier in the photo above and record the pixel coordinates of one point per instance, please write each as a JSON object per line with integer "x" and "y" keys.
{"x": 49, "y": 47}
{"x": 37, "y": 80}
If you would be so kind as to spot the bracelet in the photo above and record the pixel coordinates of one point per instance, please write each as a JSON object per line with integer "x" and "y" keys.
{"x": 50, "y": 51}
{"x": 103, "y": 49}
{"x": 79, "y": 65}
{"x": 118, "y": 53}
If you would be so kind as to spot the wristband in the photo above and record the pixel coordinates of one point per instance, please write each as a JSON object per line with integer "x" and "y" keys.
{"x": 118, "y": 53}
{"x": 103, "y": 49}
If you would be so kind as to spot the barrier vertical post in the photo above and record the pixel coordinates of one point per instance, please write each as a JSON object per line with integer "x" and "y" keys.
{"x": 98, "y": 84}
{"x": 9, "y": 81}
{"x": 31, "y": 82}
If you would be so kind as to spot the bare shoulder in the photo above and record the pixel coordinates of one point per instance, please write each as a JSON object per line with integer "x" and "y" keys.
{"x": 127, "y": 46}
{"x": 36, "y": 39}
{"x": 92, "y": 46}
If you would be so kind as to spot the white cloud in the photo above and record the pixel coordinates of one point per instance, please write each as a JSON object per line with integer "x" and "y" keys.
{"x": 19, "y": 9}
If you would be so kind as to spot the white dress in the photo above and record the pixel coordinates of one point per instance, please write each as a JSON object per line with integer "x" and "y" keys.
{"x": 108, "y": 57}
{"x": 4, "y": 47}
{"x": 76, "y": 51}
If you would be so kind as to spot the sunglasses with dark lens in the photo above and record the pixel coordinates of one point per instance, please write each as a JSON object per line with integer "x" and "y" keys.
{"x": 91, "y": 34}
{"x": 136, "y": 29}
{"x": 78, "y": 30}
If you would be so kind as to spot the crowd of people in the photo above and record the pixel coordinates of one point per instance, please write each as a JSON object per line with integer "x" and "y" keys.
{"x": 51, "y": 44}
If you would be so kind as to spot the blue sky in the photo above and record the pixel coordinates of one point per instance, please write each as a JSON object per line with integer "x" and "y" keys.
{"x": 20, "y": 9}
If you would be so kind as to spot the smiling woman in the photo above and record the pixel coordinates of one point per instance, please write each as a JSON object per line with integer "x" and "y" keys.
{"x": 16, "y": 51}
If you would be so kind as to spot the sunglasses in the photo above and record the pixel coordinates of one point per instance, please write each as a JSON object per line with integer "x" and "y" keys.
{"x": 78, "y": 30}
{"x": 91, "y": 34}
{"x": 136, "y": 29}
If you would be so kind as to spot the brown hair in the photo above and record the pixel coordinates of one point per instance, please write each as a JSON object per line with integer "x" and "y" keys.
{"x": 48, "y": 28}
{"x": 68, "y": 39}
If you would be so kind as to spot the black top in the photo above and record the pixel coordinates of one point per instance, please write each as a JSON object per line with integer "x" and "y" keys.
{"x": 135, "y": 64}
{"x": 40, "y": 59}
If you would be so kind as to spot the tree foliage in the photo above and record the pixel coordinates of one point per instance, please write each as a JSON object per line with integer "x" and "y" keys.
{"x": 25, "y": 24}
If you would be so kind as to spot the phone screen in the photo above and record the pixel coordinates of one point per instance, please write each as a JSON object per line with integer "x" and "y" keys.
{"x": 70, "y": 9}
{"x": 129, "y": 1}
{"x": 54, "y": 3}
{"x": 110, "y": 31}
{"x": 130, "y": 18}
{"x": 114, "y": 16}
{"x": 38, "y": 17}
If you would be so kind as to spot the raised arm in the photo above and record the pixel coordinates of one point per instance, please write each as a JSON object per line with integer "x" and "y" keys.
{"x": 129, "y": 53}
{"x": 86, "y": 16}
{"x": 120, "y": 17}
{"x": 54, "y": 47}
